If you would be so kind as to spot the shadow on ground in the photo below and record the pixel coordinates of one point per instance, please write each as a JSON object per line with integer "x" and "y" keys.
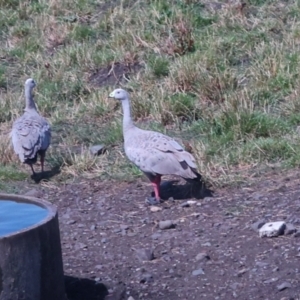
{"x": 46, "y": 175}
{"x": 87, "y": 289}
{"x": 180, "y": 192}
{"x": 84, "y": 289}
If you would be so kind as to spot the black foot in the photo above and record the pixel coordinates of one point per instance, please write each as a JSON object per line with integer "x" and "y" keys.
{"x": 34, "y": 175}
{"x": 152, "y": 201}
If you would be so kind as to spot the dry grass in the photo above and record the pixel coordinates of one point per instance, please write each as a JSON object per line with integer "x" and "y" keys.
{"x": 222, "y": 76}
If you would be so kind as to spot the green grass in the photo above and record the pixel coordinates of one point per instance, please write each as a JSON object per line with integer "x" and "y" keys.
{"x": 225, "y": 80}
{"x": 10, "y": 173}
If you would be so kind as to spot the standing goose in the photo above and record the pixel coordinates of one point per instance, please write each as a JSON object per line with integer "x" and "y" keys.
{"x": 152, "y": 152}
{"x": 31, "y": 133}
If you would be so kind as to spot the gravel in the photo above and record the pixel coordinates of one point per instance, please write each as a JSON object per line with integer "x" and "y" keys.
{"x": 124, "y": 249}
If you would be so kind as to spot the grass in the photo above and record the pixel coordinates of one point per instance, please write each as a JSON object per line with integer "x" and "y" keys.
{"x": 222, "y": 78}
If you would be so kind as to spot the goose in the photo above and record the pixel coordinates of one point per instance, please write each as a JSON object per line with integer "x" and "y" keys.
{"x": 154, "y": 153}
{"x": 31, "y": 133}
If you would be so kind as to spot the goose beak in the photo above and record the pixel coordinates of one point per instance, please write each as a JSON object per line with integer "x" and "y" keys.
{"x": 111, "y": 95}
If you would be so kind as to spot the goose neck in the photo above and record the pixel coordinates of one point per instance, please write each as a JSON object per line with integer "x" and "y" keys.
{"x": 29, "y": 99}
{"x": 127, "y": 121}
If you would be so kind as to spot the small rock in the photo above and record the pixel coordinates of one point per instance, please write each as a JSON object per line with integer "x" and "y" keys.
{"x": 130, "y": 298}
{"x": 271, "y": 280}
{"x": 185, "y": 204}
{"x": 155, "y": 208}
{"x": 124, "y": 227}
{"x": 242, "y": 271}
{"x": 295, "y": 220}
{"x": 65, "y": 216}
{"x": 79, "y": 246}
{"x": 166, "y": 224}
{"x": 132, "y": 233}
{"x": 97, "y": 149}
{"x": 289, "y": 229}
{"x": 93, "y": 227}
{"x": 261, "y": 264}
{"x": 99, "y": 267}
{"x": 202, "y": 256}
{"x": 272, "y": 229}
{"x": 235, "y": 285}
{"x": 257, "y": 196}
{"x": 104, "y": 240}
{"x": 191, "y": 202}
{"x": 198, "y": 272}
{"x": 258, "y": 224}
{"x": 70, "y": 222}
{"x": 145, "y": 221}
{"x": 144, "y": 254}
{"x": 34, "y": 193}
{"x": 296, "y": 234}
{"x": 207, "y": 244}
{"x": 166, "y": 258}
{"x": 146, "y": 277}
{"x": 283, "y": 286}
{"x": 155, "y": 236}
{"x": 119, "y": 292}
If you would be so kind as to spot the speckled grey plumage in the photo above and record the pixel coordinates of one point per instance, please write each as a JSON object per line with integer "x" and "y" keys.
{"x": 154, "y": 153}
{"x": 31, "y": 133}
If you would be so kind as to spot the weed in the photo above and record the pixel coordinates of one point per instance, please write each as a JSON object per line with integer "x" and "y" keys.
{"x": 159, "y": 66}
{"x": 10, "y": 173}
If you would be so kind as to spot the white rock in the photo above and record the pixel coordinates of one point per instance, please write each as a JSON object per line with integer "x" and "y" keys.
{"x": 191, "y": 202}
{"x": 166, "y": 224}
{"x": 272, "y": 229}
{"x": 155, "y": 208}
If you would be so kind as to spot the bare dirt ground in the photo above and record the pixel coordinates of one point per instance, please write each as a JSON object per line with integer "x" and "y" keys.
{"x": 113, "y": 247}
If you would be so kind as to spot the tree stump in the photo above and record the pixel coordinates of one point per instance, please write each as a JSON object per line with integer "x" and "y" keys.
{"x": 31, "y": 265}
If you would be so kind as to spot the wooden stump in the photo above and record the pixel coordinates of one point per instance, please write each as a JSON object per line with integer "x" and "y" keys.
{"x": 31, "y": 265}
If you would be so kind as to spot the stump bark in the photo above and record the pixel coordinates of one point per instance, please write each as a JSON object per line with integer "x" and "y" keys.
{"x": 31, "y": 265}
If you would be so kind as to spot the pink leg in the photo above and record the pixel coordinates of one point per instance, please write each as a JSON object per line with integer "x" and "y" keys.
{"x": 156, "y": 184}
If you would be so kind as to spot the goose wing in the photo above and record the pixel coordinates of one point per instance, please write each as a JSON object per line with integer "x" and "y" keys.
{"x": 30, "y": 134}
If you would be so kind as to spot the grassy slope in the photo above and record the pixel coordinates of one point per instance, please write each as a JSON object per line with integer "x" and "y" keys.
{"x": 221, "y": 77}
